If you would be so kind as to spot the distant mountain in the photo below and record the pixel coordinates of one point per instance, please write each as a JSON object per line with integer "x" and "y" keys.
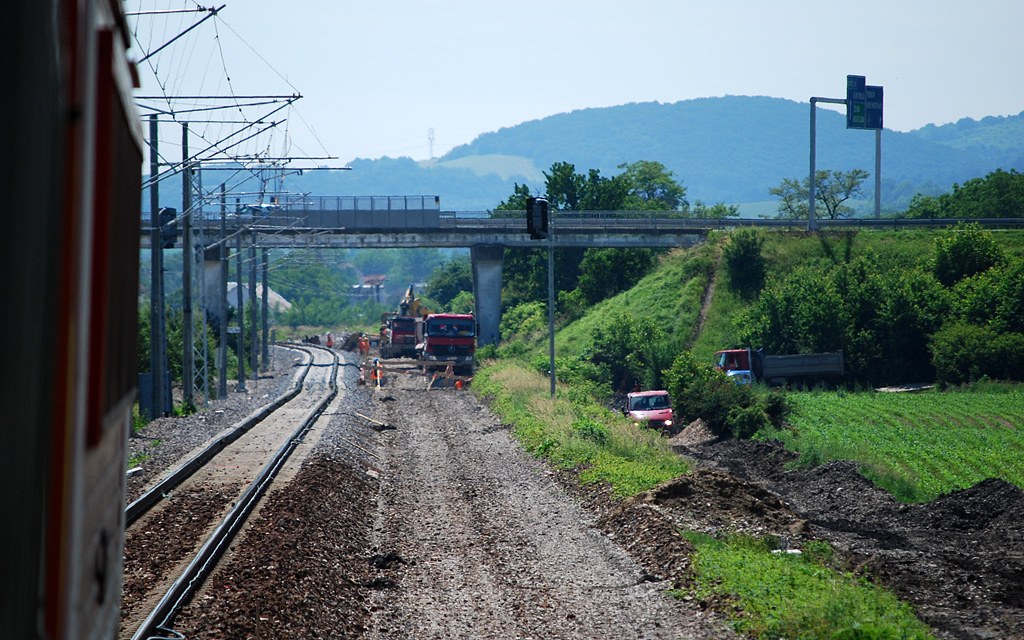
{"x": 730, "y": 149}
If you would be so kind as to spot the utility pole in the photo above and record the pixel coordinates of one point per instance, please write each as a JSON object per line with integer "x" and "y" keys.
{"x": 201, "y": 351}
{"x": 266, "y": 312}
{"x": 551, "y": 301}
{"x": 255, "y": 363}
{"x": 241, "y": 318}
{"x": 156, "y": 361}
{"x": 188, "y": 364}
{"x": 222, "y": 349}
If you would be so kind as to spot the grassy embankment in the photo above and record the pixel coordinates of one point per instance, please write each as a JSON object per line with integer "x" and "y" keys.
{"x": 576, "y": 432}
{"x": 778, "y": 595}
{"x": 783, "y": 596}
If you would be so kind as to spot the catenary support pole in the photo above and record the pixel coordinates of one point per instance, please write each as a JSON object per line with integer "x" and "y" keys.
{"x": 222, "y": 247}
{"x": 254, "y": 362}
{"x": 187, "y": 346}
{"x": 156, "y": 280}
{"x": 240, "y": 309}
{"x": 265, "y": 358}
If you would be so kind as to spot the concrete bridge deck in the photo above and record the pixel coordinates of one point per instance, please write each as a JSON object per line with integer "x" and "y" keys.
{"x": 419, "y": 222}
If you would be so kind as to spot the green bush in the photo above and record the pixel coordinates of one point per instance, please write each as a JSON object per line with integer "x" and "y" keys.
{"x": 524, "y": 320}
{"x": 462, "y": 303}
{"x": 880, "y": 316}
{"x": 631, "y": 347}
{"x": 961, "y": 352}
{"x": 963, "y": 252}
{"x": 699, "y": 391}
{"x": 592, "y": 430}
{"x": 744, "y": 263}
{"x": 966, "y": 353}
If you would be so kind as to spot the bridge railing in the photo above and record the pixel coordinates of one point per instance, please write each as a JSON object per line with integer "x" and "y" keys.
{"x": 365, "y": 203}
{"x": 355, "y": 214}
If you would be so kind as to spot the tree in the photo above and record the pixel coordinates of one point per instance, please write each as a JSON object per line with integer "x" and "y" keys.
{"x": 744, "y": 263}
{"x": 564, "y": 186}
{"x": 628, "y": 348}
{"x": 571, "y": 191}
{"x": 717, "y": 211}
{"x": 831, "y": 190}
{"x": 516, "y": 201}
{"x": 644, "y": 185}
{"x": 605, "y": 272}
{"x": 1000, "y": 194}
{"x": 449, "y": 279}
{"x": 652, "y": 187}
{"x": 963, "y": 252}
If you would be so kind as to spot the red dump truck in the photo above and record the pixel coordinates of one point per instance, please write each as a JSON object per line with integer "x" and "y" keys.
{"x": 448, "y": 338}
{"x": 744, "y": 365}
{"x": 398, "y": 336}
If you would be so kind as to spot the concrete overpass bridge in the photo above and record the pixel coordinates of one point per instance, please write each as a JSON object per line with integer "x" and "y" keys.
{"x": 349, "y": 222}
{"x": 416, "y": 221}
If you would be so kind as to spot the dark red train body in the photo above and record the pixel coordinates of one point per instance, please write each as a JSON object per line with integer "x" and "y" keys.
{"x": 70, "y": 191}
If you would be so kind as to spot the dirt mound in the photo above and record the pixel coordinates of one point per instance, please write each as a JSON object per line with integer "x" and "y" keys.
{"x": 959, "y": 559}
{"x": 713, "y": 501}
{"x": 992, "y": 506}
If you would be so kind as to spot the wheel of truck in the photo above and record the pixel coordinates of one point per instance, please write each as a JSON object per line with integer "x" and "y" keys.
{"x": 464, "y": 371}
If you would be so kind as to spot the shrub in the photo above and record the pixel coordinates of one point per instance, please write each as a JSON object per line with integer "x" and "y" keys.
{"x": 962, "y": 352}
{"x": 524, "y": 320}
{"x": 744, "y": 263}
{"x": 699, "y": 391}
{"x": 967, "y": 353}
{"x": 631, "y": 347}
{"x": 963, "y": 252}
{"x": 591, "y": 430}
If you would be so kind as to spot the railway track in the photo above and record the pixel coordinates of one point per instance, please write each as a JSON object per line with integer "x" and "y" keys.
{"x": 178, "y": 530}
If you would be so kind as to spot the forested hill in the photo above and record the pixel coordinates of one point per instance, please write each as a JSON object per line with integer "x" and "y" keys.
{"x": 730, "y": 149}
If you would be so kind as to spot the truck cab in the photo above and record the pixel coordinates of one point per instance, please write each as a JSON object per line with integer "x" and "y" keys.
{"x": 655, "y": 407}
{"x": 448, "y": 338}
{"x": 398, "y": 336}
{"x": 733, "y": 360}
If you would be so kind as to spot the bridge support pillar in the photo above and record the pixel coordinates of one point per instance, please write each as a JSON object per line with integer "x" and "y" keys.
{"x": 212, "y": 299}
{"x": 487, "y": 265}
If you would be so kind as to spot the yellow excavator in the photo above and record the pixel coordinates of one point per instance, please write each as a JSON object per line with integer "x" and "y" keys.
{"x": 410, "y": 306}
{"x": 398, "y": 328}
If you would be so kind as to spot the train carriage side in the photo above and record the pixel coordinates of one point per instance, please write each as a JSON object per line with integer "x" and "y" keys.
{"x": 70, "y": 252}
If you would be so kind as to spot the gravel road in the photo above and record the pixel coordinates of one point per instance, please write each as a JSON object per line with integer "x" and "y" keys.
{"x": 435, "y": 524}
{"x": 488, "y": 545}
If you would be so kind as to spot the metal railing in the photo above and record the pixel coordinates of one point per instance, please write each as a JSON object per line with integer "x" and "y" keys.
{"x": 353, "y": 214}
{"x": 365, "y": 203}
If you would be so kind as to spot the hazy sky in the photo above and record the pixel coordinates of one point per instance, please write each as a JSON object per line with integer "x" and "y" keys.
{"x": 377, "y": 75}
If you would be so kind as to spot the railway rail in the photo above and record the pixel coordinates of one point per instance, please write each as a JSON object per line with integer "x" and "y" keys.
{"x": 248, "y": 457}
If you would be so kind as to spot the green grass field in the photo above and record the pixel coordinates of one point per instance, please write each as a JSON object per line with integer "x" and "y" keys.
{"x": 916, "y": 445}
{"x": 574, "y": 431}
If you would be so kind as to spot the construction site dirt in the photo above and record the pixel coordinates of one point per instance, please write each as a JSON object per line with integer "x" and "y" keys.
{"x": 416, "y": 515}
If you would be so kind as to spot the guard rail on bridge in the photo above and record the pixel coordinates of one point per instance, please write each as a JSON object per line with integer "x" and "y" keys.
{"x": 409, "y": 221}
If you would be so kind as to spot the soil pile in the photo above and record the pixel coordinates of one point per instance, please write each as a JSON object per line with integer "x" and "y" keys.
{"x": 959, "y": 559}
